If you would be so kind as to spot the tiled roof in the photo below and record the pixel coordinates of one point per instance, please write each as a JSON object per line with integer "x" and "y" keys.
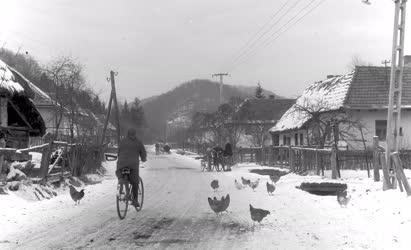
{"x": 370, "y": 88}
{"x": 367, "y": 87}
{"x": 265, "y": 109}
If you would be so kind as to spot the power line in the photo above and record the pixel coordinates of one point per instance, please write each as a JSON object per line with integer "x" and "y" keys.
{"x": 260, "y": 30}
{"x": 274, "y": 38}
{"x": 278, "y": 31}
{"x": 261, "y": 36}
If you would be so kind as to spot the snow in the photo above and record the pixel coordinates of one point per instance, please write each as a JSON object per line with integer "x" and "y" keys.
{"x": 176, "y": 214}
{"x": 329, "y": 94}
{"x": 7, "y": 81}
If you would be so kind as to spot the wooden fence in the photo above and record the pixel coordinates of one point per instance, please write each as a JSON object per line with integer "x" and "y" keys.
{"x": 302, "y": 159}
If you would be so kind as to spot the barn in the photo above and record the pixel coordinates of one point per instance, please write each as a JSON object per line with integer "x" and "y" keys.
{"x": 19, "y": 117}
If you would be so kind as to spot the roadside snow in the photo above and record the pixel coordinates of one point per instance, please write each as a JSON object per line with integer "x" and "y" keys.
{"x": 176, "y": 214}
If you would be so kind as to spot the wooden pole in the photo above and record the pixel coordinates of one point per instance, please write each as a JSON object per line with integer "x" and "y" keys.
{"x": 334, "y": 172}
{"x": 402, "y": 179}
{"x": 291, "y": 158}
{"x": 376, "y": 158}
{"x": 113, "y": 87}
{"x": 107, "y": 118}
{"x": 387, "y": 182}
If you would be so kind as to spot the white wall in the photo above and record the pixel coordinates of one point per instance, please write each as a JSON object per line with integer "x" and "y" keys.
{"x": 368, "y": 118}
{"x": 48, "y": 115}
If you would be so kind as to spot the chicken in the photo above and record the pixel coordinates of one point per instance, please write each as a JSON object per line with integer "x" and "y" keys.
{"x": 258, "y": 214}
{"x": 219, "y": 206}
{"x": 254, "y": 184}
{"x": 238, "y": 185}
{"x": 275, "y": 178}
{"x": 270, "y": 188}
{"x": 245, "y": 181}
{"x": 214, "y": 185}
{"x": 343, "y": 199}
{"x": 76, "y": 195}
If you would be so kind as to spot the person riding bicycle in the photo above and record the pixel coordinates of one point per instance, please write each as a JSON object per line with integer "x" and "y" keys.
{"x": 130, "y": 149}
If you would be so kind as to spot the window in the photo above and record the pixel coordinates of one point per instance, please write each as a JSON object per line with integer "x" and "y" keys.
{"x": 401, "y": 133}
{"x": 296, "y": 139}
{"x": 288, "y": 141}
{"x": 381, "y": 129}
{"x": 284, "y": 140}
{"x": 276, "y": 140}
{"x": 302, "y": 139}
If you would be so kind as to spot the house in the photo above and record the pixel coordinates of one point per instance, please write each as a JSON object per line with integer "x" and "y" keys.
{"x": 257, "y": 116}
{"x": 360, "y": 96}
{"x": 19, "y": 117}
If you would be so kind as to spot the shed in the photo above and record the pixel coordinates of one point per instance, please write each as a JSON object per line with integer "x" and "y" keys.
{"x": 19, "y": 118}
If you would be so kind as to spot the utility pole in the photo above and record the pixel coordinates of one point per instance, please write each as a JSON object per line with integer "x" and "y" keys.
{"x": 386, "y": 62}
{"x": 221, "y": 75}
{"x": 113, "y": 97}
{"x": 397, "y": 67}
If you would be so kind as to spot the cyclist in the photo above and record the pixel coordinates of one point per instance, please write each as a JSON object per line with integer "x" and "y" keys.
{"x": 129, "y": 152}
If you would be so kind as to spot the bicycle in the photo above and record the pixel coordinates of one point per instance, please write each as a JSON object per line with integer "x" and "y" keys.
{"x": 123, "y": 198}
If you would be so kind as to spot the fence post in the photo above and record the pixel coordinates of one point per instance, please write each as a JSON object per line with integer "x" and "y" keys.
{"x": 376, "y": 160}
{"x": 45, "y": 160}
{"x": 291, "y": 158}
{"x": 334, "y": 173}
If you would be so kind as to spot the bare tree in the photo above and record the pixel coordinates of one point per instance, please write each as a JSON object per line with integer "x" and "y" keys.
{"x": 67, "y": 75}
{"x": 356, "y": 60}
{"x": 328, "y": 126}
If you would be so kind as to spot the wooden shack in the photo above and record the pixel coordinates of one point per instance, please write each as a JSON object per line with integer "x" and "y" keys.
{"x": 19, "y": 118}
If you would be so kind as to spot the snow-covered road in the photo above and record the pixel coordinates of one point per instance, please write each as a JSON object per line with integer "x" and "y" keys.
{"x": 176, "y": 215}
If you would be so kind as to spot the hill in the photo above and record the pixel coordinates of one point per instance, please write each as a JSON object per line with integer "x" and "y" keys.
{"x": 179, "y": 104}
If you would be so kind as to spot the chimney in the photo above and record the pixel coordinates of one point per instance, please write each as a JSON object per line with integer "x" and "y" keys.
{"x": 407, "y": 61}
{"x": 272, "y": 97}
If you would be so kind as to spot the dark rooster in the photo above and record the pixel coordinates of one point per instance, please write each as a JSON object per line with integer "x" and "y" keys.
{"x": 214, "y": 185}
{"x": 245, "y": 181}
{"x": 76, "y": 195}
{"x": 343, "y": 199}
{"x": 258, "y": 214}
{"x": 275, "y": 178}
{"x": 219, "y": 206}
{"x": 270, "y": 188}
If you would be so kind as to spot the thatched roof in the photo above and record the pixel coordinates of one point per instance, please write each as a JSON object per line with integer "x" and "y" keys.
{"x": 17, "y": 88}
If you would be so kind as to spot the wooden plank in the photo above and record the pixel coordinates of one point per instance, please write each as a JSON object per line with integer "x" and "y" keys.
{"x": 402, "y": 179}
{"x": 20, "y": 114}
{"x": 55, "y": 162}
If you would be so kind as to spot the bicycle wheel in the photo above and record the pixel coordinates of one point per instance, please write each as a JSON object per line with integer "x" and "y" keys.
{"x": 122, "y": 200}
{"x": 140, "y": 194}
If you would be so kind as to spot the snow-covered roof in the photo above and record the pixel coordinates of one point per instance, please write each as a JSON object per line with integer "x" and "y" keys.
{"x": 330, "y": 94}
{"x": 8, "y": 83}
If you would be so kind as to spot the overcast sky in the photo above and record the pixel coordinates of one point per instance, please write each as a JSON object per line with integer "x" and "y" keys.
{"x": 157, "y": 44}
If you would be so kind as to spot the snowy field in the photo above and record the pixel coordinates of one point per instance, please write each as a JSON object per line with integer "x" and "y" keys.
{"x": 176, "y": 214}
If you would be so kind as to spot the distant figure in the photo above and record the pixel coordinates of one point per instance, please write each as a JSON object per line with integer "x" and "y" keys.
{"x": 228, "y": 151}
{"x": 157, "y": 148}
{"x": 167, "y": 149}
{"x": 217, "y": 153}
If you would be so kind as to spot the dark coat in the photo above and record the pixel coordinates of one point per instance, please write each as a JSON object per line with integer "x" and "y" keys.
{"x": 129, "y": 152}
{"x": 228, "y": 150}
